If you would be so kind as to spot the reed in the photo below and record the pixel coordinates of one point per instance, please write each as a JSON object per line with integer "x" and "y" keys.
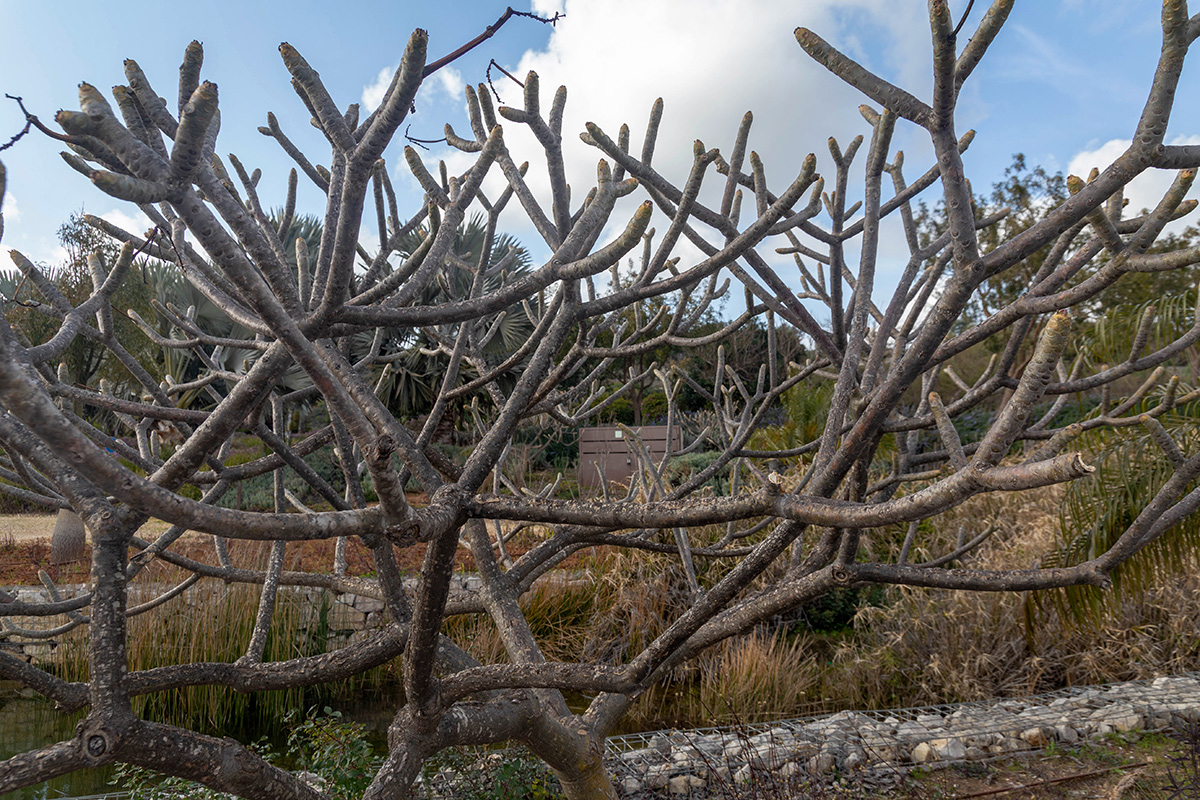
{"x": 213, "y": 623}
{"x": 915, "y": 647}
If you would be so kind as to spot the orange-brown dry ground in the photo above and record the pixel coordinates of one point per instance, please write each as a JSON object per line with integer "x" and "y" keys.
{"x": 25, "y": 549}
{"x": 1116, "y": 768}
{"x": 20, "y": 560}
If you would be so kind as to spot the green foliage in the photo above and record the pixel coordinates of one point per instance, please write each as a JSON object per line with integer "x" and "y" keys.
{"x": 510, "y": 774}
{"x": 805, "y": 407}
{"x": 681, "y": 468}
{"x": 146, "y": 784}
{"x": 336, "y": 750}
{"x": 835, "y": 611}
{"x": 85, "y": 360}
{"x": 1028, "y": 193}
{"x": 258, "y": 493}
{"x": 323, "y": 745}
{"x": 654, "y": 408}
{"x": 1140, "y": 288}
{"x": 1098, "y": 509}
{"x": 1113, "y": 330}
{"x": 618, "y": 411}
{"x": 551, "y": 446}
{"x": 411, "y": 380}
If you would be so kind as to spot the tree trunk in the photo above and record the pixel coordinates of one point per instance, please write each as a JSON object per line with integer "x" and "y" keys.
{"x": 589, "y": 782}
{"x": 69, "y": 540}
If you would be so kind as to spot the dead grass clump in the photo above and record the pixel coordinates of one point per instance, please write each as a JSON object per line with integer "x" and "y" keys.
{"x": 752, "y": 679}
{"x": 931, "y": 646}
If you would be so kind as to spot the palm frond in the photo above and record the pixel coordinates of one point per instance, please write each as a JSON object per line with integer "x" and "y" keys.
{"x": 1097, "y": 510}
{"x": 1116, "y": 326}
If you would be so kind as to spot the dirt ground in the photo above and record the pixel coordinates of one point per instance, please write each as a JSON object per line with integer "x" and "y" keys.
{"x": 32, "y": 527}
{"x": 1151, "y": 766}
{"x": 25, "y": 551}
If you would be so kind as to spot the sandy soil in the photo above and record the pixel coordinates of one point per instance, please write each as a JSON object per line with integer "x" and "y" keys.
{"x": 32, "y": 527}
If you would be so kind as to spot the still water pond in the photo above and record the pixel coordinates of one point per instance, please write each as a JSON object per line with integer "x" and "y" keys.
{"x": 28, "y": 721}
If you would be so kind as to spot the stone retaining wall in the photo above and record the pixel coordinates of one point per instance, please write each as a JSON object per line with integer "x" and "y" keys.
{"x": 875, "y": 747}
{"x": 34, "y": 639}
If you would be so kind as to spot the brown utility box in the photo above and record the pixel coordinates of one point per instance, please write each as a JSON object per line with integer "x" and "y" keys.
{"x": 607, "y": 449}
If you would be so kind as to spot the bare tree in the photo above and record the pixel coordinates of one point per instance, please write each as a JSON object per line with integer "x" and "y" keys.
{"x": 792, "y": 537}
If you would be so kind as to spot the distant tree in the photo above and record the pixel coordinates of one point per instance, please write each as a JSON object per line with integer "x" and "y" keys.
{"x": 1018, "y": 202}
{"x": 418, "y": 359}
{"x": 69, "y": 283}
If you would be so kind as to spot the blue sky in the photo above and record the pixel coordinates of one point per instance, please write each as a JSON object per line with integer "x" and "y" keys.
{"x": 1063, "y": 84}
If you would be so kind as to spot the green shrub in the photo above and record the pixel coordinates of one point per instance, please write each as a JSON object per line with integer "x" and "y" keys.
{"x": 322, "y": 744}
{"x": 654, "y": 408}
{"x": 681, "y": 468}
{"x": 510, "y": 774}
{"x": 618, "y": 411}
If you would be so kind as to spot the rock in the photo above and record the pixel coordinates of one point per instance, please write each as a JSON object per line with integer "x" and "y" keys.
{"x": 975, "y": 754}
{"x": 855, "y": 758}
{"x": 69, "y": 539}
{"x": 658, "y": 777}
{"x": 630, "y": 785}
{"x": 1035, "y": 737}
{"x": 1066, "y": 733}
{"x": 1125, "y": 719}
{"x": 770, "y": 756}
{"x": 923, "y": 753}
{"x": 948, "y": 749}
{"x": 1007, "y": 745}
{"x": 820, "y": 764}
{"x": 911, "y": 730}
{"x": 679, "y": 784}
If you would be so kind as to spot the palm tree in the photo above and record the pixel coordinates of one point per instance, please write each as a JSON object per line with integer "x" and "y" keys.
{"x": 414, "y": 376}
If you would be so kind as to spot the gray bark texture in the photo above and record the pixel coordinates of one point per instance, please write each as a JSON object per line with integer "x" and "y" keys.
{"x": 69, "y": 540}
{"x": 324, "y": 328}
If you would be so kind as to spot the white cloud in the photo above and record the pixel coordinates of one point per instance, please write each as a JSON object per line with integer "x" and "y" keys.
{"x": 446, "y": 79}
{"x": 136, "y": 224}
{"x": 10, "y": 209}
{"x": 546, "y": 8}
{"x": 450, "y": 81}
{"x": 372, "y": 93}
{"x": 58, "y": 255}
{"x": 1144, "y": 191}
{"x": 720, "y": 59}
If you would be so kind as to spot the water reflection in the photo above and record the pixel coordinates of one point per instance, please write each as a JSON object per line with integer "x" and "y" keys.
{"x": 29, "y": 721}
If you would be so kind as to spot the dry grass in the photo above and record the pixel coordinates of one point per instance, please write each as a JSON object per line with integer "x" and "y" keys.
{"x": 928, "y": 646}
{"x": 920, "y": 646}
{"x": 750, "y": 678}
{"x": 213, "y": 622}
